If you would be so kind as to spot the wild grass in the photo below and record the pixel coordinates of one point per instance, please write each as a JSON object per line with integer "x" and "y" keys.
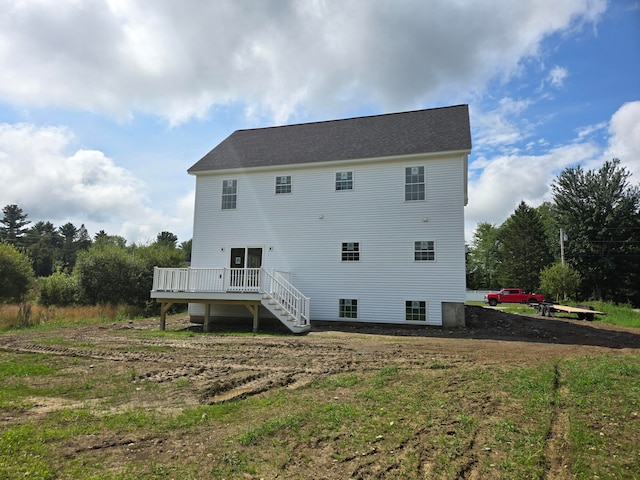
{"x": 27, "y": 315}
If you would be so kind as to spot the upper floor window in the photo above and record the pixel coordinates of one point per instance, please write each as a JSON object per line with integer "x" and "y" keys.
{"x": 416, "y": 311}
{"x": 350, "y": 252}
{"x": 229, "y": 194}
{"x": 414, "y": 185}
{"x": 348, "y": 308}
{"x": 344, "y": 181}
{"x": 424, "y": 251}
{"x": 283, "y": 184}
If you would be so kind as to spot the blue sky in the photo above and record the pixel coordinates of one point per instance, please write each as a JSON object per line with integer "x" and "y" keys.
{"x": 105, "y": 104}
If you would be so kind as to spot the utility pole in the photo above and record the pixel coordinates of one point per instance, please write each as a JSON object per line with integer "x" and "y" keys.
{"x": 562, "y": 246}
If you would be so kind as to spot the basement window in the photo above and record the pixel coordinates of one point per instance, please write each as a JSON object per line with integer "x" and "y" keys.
{"x": 350, "y": 252}
{"x": 416, "y": 311}
{"x": 348, "y": 308}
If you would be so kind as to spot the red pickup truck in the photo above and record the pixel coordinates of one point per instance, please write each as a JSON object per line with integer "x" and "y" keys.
{"x": 512, "y": 295}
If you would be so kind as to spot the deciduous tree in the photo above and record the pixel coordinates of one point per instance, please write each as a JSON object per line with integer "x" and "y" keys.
{"x": 600, "y": 212}
{"x": 482, "y": 258}
{"x": 16, "y": 274}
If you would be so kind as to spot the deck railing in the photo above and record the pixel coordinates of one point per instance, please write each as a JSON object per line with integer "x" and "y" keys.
{"x": 205, "y": 280}
{"x": 288, "y": 297}
{"x": 237, "y": 280}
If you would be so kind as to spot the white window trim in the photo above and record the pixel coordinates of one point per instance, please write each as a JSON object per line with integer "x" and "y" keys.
{"x": 353, "y": 181}
{"x": 222, "y": 195}
{"x": 435, "y": 251}
{"x": 276, "y": 185}
{"x": 404, "y": 185}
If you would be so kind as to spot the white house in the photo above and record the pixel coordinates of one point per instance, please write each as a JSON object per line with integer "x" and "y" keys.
{"x": 354, "y": 220}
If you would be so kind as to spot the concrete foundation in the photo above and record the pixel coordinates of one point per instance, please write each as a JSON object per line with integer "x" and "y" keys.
{"x": 453, "y": 314}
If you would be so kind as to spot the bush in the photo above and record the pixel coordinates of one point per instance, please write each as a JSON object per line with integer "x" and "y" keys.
{"x": 109, "y": 274}
{"x": 559, "y": 281}
{"x": 59, "y": 289}
{"x": 16, "y": 274}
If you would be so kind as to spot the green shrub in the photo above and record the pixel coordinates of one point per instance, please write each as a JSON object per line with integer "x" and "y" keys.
{"x": 16, "y": 274}
{"x": 59, "y": 289}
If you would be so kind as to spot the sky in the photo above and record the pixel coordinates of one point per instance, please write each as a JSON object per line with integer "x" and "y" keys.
{"x": 104, "y": 104}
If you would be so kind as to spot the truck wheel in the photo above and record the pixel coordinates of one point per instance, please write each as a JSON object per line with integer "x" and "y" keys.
{"x": 532, "y": 300}
{"x": 493, "y": 302}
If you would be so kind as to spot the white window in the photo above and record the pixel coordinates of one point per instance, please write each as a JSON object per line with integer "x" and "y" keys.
{"x": 414, "y": 184}
{"x": 344, "y": 181}
{"x": 416, "y": 311}
{"x": 350, "y": 252}
{"x": 229, "y": 194}
{"x": 348, "y": 308}
{"x": 283, "y": 184}
{"x": 424, "y": 251}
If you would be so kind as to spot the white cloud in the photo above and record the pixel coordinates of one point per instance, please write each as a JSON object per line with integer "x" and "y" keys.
{"x": 498, "y": 183}
{"x": 40, "y": 172}
{"x": 505, "y": 181}
{"x": 557, "y": 76}
{"x": 624, "y": 142}
{"x": 178, "y": 59}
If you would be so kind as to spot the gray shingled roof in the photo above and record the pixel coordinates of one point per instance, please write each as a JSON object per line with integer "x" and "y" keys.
{"x": 406, "y": 133}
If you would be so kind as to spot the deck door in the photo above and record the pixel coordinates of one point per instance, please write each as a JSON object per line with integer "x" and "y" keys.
{"x": 245, "y": 266}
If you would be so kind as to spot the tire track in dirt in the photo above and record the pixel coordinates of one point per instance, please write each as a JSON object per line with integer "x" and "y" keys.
{"x": 223, "y": 369}
{"x": 556, "y": 449}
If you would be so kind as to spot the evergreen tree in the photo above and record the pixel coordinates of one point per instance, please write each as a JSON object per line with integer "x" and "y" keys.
{"x": 523, "y": 250}
{"x": 69, "y": 246}
{"x": 14, "y": 222}
{"x": 83, "y": 238}
{"x": 43, "y": 245}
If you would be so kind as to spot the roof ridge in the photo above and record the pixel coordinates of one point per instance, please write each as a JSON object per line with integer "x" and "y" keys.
{"x": 334, "y": 120}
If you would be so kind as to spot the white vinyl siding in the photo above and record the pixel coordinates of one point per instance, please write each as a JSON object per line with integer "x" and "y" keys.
{"x": 303, "y": 234}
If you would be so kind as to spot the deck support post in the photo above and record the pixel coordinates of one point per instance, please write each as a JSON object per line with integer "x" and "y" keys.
{"x": 164, "y": 308}
{"x": 206, "y": 326}
{"x": 254, "y": 309}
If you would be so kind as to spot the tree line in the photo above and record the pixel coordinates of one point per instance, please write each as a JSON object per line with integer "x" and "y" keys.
{"x": 584, "y": 244}
{"x": 65, "y": 266}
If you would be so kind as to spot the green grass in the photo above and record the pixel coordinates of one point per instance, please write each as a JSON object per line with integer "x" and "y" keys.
{"x": 386, "y": 410}
{"x": 623, "y": 315}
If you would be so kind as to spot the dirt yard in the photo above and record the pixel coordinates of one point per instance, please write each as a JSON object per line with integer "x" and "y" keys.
{"x": 224, "y": 367}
